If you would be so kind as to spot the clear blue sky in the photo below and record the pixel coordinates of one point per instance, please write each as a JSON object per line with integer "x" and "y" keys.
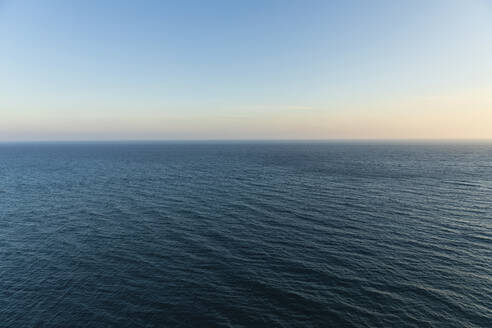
{"x": 245, "y": 69}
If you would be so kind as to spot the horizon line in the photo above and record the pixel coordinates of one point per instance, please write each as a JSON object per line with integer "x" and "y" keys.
{"x": 328, "y": 140}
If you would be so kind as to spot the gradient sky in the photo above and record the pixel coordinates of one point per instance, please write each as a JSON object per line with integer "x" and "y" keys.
{"x": 99, "y": 70}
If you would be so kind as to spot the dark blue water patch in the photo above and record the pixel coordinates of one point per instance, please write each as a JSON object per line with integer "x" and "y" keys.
{"x": 245, "y": 235}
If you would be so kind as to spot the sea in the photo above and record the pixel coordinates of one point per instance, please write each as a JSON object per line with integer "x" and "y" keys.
{"x": 246, "y": 234}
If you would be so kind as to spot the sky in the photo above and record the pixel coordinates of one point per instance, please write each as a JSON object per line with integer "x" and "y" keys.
{"x": 138, "y": 70}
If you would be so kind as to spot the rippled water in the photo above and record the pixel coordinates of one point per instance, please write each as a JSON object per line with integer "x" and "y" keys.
{"x": 244, "y": 235}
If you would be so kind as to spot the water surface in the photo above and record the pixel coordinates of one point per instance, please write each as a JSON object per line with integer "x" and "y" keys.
{"x": 245, "y": 235}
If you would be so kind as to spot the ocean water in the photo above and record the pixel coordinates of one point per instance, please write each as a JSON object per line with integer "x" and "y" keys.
{"x": 245, "y": 235}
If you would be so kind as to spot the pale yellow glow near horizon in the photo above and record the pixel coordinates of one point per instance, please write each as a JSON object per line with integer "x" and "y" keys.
{"x": 461, "y": 115}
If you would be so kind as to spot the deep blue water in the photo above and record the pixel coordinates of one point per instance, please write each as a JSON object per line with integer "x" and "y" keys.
{"x": 245, "y": 235}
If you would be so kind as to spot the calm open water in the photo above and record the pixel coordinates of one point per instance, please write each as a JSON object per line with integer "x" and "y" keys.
{"x": 245, "y": 235}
